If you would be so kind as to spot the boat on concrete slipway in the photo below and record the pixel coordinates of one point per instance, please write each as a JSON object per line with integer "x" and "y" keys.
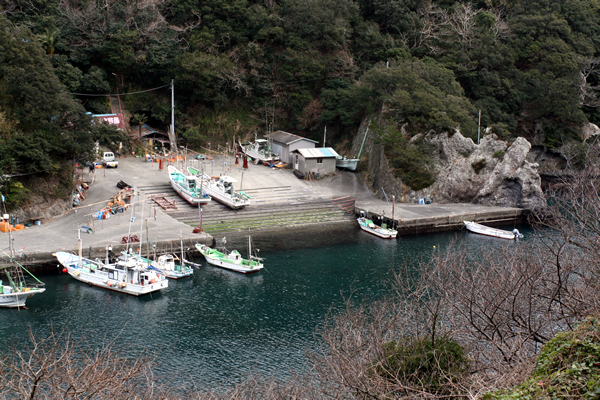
{"x": 259, "y": 151}
{"x": 187, "y": 187}
{"x": 221, "y": 189}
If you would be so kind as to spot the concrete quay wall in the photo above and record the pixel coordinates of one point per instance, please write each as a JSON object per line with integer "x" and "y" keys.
{"x": 280, "y": 201}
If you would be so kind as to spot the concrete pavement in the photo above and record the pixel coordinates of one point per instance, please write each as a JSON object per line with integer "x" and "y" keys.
{"x": 164, "y": 231}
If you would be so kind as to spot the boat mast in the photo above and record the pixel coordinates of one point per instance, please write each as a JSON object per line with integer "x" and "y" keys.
{"x": 79, "y": 242}
{"x": 141, "y": 226}
{"x": 266, "y": 122}
{"x": 393, "y": 204}
{"x": 365, "y": 138}
{"x": 147, "y": 243}
{"x": 173, "y": 114}
{"x": 129, "y": 233}
{"x": 181, "y": 262}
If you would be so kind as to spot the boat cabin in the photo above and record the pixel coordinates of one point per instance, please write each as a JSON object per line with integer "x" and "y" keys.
{"x": 226, "y": 182}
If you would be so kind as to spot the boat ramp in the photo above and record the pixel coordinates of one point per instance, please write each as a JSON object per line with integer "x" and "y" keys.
{"x": 279, "y": 202}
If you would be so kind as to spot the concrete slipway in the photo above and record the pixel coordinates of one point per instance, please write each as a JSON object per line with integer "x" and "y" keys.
{"x": 279, "y": 201}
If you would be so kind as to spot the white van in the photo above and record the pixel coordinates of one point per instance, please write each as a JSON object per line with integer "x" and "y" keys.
{"x": 109, "y": 161}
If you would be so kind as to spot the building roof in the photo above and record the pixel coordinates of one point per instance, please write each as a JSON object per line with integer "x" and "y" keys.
{"x": 287, "y": 138}
{"x": 319, "y": 152}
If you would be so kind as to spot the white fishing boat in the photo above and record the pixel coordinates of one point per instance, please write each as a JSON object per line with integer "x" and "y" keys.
{"x": 371, "y": 227}
{"x": 494, "y": 232}
{"x": 381, "y": 231}
{"x": 172, "y": 269}
{"x": 187, "y": 187}
{"x": 129, "y": 275}
{"x": 346, "y": 163}
{"x": 351, "y": 163}
{"x": 17, "y": 290}
{"x": 221, "y": 189}
{"x": 232, "y": 260}
{"x": 259, "y": 151}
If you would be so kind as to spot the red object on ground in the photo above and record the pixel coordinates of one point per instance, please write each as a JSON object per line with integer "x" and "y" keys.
{"x": 245, "y": 162}
{"x": 130, "y": 239}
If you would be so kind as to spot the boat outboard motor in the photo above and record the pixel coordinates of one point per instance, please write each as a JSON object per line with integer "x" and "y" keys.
{"x": 518, "y": 234}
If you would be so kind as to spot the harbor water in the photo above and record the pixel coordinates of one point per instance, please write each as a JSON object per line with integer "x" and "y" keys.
{"x": 217, "y": 327}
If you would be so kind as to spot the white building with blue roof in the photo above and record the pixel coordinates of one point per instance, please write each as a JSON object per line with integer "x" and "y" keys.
{"x": 317, "y": 162}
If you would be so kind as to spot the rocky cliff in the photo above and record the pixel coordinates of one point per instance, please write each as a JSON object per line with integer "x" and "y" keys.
{"x": 492, "y": 172}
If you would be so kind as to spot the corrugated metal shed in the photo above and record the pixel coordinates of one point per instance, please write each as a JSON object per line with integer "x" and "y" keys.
{"x": 319, "y": 152}
{"x": 287, "y": 138}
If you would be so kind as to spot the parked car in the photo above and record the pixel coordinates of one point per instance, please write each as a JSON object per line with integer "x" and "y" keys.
{"x": 109, "y": 160}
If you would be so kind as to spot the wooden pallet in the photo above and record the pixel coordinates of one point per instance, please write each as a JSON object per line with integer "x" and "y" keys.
{"x": 164, "y": 203}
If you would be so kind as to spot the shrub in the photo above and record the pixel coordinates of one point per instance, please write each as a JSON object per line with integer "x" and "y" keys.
{"x": 568, "y": 367}
{"x": 430, "y": 366}
{"x": 478, "y": 165}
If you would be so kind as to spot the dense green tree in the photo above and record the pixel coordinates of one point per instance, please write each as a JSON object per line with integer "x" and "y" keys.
{"x": 45, "y": 129}
{"x": 531, "y": 67}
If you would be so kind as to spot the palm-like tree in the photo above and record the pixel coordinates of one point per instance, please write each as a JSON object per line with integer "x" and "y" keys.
{"x": 49, "y": 40}
{"x": 140, "y": 119}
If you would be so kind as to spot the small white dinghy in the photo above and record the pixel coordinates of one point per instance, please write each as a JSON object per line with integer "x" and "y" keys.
{"x": 494, "y": 232}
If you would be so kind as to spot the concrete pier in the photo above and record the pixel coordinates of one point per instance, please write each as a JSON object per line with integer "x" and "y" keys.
{"x": 279, "y": 201}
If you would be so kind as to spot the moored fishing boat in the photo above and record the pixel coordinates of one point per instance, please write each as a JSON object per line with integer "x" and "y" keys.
{"x": 221, "y": 189}
{"x": 18, "y": 290}
{"x": 232, "y": 260}
{"x": 494, "y": 232}
{"x": 187, "y": 187}
{"x": 381, "y": 231}
{"x": 371, "y": 227}
{"x": 171, "y": 268}
{"x": 128, "y": 275}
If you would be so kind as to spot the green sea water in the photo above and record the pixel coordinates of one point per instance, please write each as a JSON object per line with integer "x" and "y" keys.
{"x": 216, "y": 327}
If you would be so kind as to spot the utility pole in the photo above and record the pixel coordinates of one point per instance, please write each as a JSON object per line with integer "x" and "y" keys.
{"x": 478, "y": 126}
{"x": 173, "y": 106}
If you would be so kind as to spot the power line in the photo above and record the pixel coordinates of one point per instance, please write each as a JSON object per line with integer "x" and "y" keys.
{"x": 118, "y": 94}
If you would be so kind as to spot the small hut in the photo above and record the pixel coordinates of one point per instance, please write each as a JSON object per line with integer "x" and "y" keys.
{"x": 316, "y": 162}
{"x": 284, "y": 143}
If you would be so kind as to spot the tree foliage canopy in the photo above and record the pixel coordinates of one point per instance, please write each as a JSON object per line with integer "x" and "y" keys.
{"x": 532, "y": 68}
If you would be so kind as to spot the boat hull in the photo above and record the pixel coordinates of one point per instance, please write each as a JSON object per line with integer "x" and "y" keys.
{"x": 258, "y": 151}
{"x": 17, "y": 299}
{"x": 177, "y": 179}
{"x": 488, "y": 231}
{"x": 116, "y": 280}
{"x": 166, "y": 263}
{"x": 347, "y": 163}
{"x": 187, "y": 197}
{"x": 211, "y": 188}
{"x": 178, "y": 275}
{"x": 377, "y": 230}
{"x": 222, "y": 262}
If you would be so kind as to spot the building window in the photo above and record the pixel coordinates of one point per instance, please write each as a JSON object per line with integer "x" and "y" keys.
{"x": 319, "y": 161}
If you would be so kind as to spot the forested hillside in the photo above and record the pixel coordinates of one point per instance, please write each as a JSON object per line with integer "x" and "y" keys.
{"x": 531, "y": 67}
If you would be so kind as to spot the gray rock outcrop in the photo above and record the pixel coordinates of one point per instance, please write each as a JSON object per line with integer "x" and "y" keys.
{"x": 492, "y": 173}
